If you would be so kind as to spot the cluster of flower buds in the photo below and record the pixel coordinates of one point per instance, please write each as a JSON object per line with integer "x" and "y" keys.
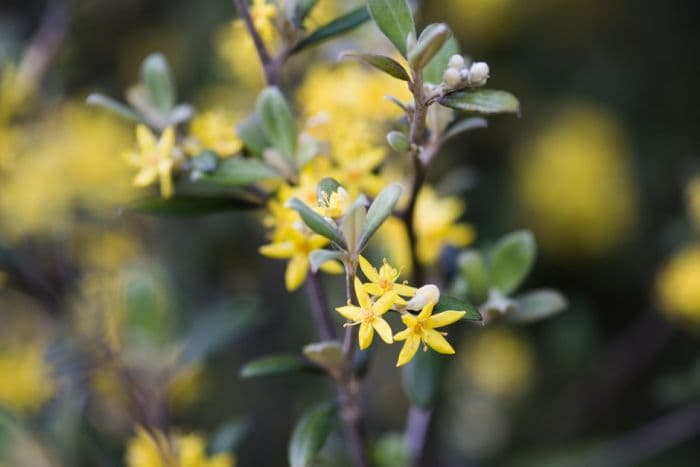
{"x": 459, "y": 75}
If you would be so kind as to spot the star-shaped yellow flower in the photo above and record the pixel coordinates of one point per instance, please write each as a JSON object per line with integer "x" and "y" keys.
{"x": 369, "y": 315}
{"x": 295, "y": 246}
{"x": 154, "y": 159}
{"x": 384, "y": 281}
{"x": 422, "y": 328}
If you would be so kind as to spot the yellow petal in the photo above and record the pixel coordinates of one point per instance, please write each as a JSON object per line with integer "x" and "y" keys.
{"x": 350, "y": 312}
{"x": 296, "y": 272}
{"x": 145, "y": 139}
{"x": 405, "y": 290}
{"x": 436, "y": 342}
{"x": 409, "y": 349}
{"x": 279, "y": 250}
{"x": 460, "y": 235}
{"x": 445, "y": 318}
{"x": 166, "y": 184}
{"x": 373, "y": 289}
{"x": 166, "y": 142}
{"x": 428, "y": 250}
{"x": 362, "y": 297}
{"x": 383, "y": 305}
{"x": 146, "y": 176}
{"x": 332, "y": 267}
{"x": 409, "y": 320}
{"x": 426, "y": 311}
{"x": 317, "y": 241}
{"x": 402, "y": 335}
{"x": 383, "y": 329}
{"x": 366, "y": 335}
{"x": 369, "y": 271}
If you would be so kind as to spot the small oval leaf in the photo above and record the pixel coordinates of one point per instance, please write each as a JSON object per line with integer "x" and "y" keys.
{"x": 394, "y": 19}
{"x": 274, "y": 365}
{"x": 240, "y": 172}
{"x": 381, "y": 208}
{"x": 318, "y": 258}
{"x": 537, "y": 305}
{"x": 336, "y": 27}
{"x": 448, "y": 302}
{"x": 383, "y": 63}
{"x": 429, "y": 44}
{"x": 114, "y": 106}
{"x": 191, "y": 205}
{"x": 158, "y": 79}
{"x": 316, "y": 222}
{"x": 473, "y": 269}
{"x": 278, "y": 122}
{"x": 310, "y": 435}
{"x": 511, "y": 260}
{"x": 482, "y": 101}
{"x": 435, "y": 69}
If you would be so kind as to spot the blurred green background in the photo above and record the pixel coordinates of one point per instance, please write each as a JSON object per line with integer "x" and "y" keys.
{"x": 600, "y": 167}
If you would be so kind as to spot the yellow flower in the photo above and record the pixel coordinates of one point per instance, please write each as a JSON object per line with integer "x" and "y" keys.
{"x": 694, "y": 200}
{"x": 216, "y": 132}
{"x": 369, "y": 315}
{"x": 158, "y": 450}
{"x": 25, "y": 376}
{"x": 155, "y": 159}
{"x": 435, "y": 224}
{"x": 295, "y": 246}
{"x": 384, "y": 281}
{"x": 236, "y": 51}
{"x": 356, "y": 172}
{"x": 422, "y": 328}
{"x": 678, "y": 285}
{"x": 263, "y": 14}
{"x": 15, "y": 92}
{"x": 334, "y": 205}
{"x": 575, "y": 183}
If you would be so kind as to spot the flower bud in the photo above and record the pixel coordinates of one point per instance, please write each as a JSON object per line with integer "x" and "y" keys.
{"x": 479, "y": 73}
{"x": 456, "y": 62}
{"x": 452, "y": 78}
{"x": 425, "y": 295}
{"x": 398, "y": 141}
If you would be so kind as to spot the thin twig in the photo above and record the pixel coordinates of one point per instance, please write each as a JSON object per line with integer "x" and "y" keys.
{"x": 319, "y": 306}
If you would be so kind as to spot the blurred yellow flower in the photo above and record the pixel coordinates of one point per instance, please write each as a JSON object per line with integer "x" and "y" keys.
{"x": 693, "y": 194}
{"x": 678, "y": 285}
{"x": 25, "y": 376}
{"x": 154, "y": 159}
{"x": 213, "y": 131}
{"x": 384, "y": 281}
{"x": 421, "y": 328}
{"x": 483, "y": 20}
{"x": 368, "y": 315}
{"x": 334, "y": 205}
{"x": 499, "y": 362}
{"x": 15, "y": 91}
{"x": 263, "y": 14}
{"x": 436, "y": 225}
{"x": 158, "y": 450}
{"x": 575, "y": 183}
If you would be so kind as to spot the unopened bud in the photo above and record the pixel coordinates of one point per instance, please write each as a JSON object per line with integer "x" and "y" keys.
{"x": 479, "y": 73}
{"x": 452, "y": 78}
{"x": 425, "y": 295}
{"x": 398, "y": 141}
{"x": 456, "y": 62}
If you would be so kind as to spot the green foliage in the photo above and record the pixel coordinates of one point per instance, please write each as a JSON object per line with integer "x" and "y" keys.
{"x": 448, "y": 302}
{"x": 394, "y": 19}
{"x": 511, "y": 260}
{"x": 275, "y": 365}
{"x": 156, "y": 75}
{"x": 278, "y": 122}
{"x": 112, "y": 105}
{"x": 482, "y": 101}
{"x": 434, "y": 70}
{"x": 383, "y": 63}
{"x": 421, "y": 378}
{"x": 338, "y": 26}
{"x": 192, "y": 205}
{"x": 381, "y": 208}
{"x": 240, "y": 172}
{"x": 310, "y": 435}
{"x": 430, "y": 42}
{"x": 537, "y": 305}
{"x": 316, "y": 222}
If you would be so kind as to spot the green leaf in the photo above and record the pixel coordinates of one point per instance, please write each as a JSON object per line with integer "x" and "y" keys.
{"x": 302, "y": 8}
{"x": 511, "y": 260}
{"x": 381, "y": 208}
{"x": 383, "y": 63}
{"x": 318, "y": 258}
{"x": 394, "y": 19}
{"x": 326, "y": 187}
{"x": 353, "y": 224}
{"x": 421, "y": 378}
{"x": 336, "y": 27}
{"x": 157, "y": 77}
{"x": 275, "y": 365}
{"x": 240, "y": 172}
{"x": 429, "y": 44}
{"x": 114, "y": 106}
{"x": 462, "y": 126}
{"x": 316, "y": 222}
{"x": 229, "y": 436}
{"x": 434, "y": 70}
{"x": 310, "y": 435}
{"x": 327, "y": 354}
{"x": 278, "y": 122}
{"x": 537, "y": 305}
{"x": 474, "y": 271}
{"x": 482, "y": 101}
{"x": 191, "y": 205}
{"x": 448, "y": 302}
{"x": 253, "y": 135}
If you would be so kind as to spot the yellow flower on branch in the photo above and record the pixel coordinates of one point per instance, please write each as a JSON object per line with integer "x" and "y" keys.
{"x": 214, "y": 131}
{"x": 436, "y": 225}
{"x": 334, "y": 205}
{"x": 154, "y": 159}
{"x": 421, "y": 328}
{"x": 295, "y": 246}
{"x": 369, "y": 315}
{"x": 383, "y": 281}
{"x": 159, "y": 450}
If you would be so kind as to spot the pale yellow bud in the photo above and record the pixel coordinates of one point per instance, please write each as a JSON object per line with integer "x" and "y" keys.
{"x": 479, "y": 73}
{"x": 425, "y": 295}
{"x": 456, "y": 62}
{"x": 452, "y": 78}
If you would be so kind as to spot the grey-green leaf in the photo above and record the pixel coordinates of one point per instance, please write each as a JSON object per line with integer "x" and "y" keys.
{"x": 253, "y": 135}
{"x": 429, "y": 44}
{"x": 394, "y": 19}
{"x": 433, "y": 72}
{"x": 381, "y": 62}
{"x": 318, "y": 258}
{"x": 338, "y": 26}
{"x": 275, "y": 365}
{"x": 421, "y": 378}
{"x": 353, "y": 224}
{"x": 316, "y": 222}
{"x": 240, "y": 172}
{"x": 448, "y": 302}
{"x": 278, "y": 122}
{"x": 381, "y": 208}
{"x": 482, "y": 101}
{"x": 537, "y": 305}
{"x": 310, "y": 435}
{"x": 158, "y": 79}
{"x": 473, "y": 269}
{"x": 114, "y": 106}
{"x": 511, "y": 260}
